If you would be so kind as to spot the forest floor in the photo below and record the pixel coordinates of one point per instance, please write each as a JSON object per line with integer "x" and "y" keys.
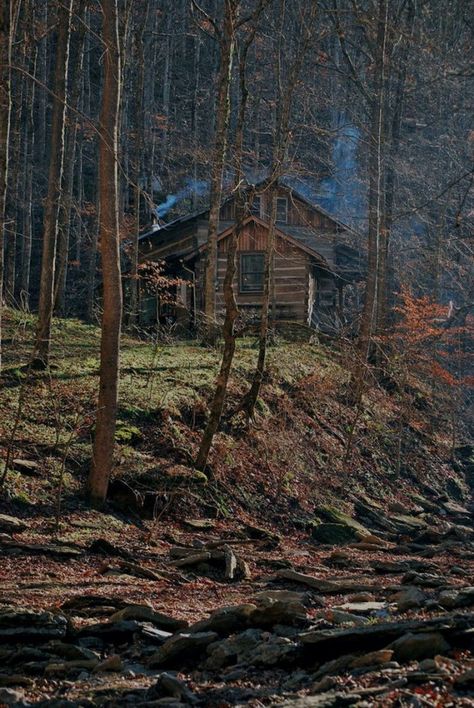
{"x": 346, "y": 574}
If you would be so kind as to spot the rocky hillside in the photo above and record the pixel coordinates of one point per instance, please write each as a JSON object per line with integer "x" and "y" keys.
{"x": 301, "y": 571}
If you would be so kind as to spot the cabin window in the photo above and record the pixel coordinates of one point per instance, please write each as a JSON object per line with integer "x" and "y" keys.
{"x": 256, "y": 206}
{"x": 282, "y": 210}
{"x": 252, "y": 268}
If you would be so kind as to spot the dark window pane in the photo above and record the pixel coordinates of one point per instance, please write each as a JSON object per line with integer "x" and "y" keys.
{"x": 251, "y": 272}
{"x": 282, "y": 210}
{"x": 256, "y": 206}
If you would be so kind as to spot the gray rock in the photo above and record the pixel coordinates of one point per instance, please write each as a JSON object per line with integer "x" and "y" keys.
{"x": 70, "y": 652}
{"x": 363, "y": 608}
{"x": 9, "y": 697}
{"x": 147, "y": 614}
{"x": 455, "y": 597}
{"x": 425, "y": 580}
{"x": 340, "y": 617}
{"x": 225, "y": 620}
{"x": 23, "y": 624}
{"x": 465, "y": 680}
{"x": 181, "y": 648}
{"x": 422, "y": 645}
{"x": 408, "y": 598}
{"x": 170, "y": 685}
{"x": 10, "y": 524}
{"x": 252, "y": 647}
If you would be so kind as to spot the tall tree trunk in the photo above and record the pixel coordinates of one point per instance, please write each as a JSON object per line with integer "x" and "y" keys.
{"x": 64, "y": 226}
{"x": 5, "y": 111}
{"x": 56, "y": 167}
{"x": 139, "y": 127}
{"x": 385, "y": 270}
{"x": 103, "y": 449}
{"x": 226, "y": 41}
{"x": 243, "y": 197}
{"x": 250, "y": 399}
{"x": 376, "y": 202}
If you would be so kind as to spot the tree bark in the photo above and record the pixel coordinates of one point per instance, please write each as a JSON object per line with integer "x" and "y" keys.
{"x": 226, "y": 42}
{"x": 103, "y": 449}
{"x": 376, "y": 202}
{"x": 5, "y": 112}
{"x": 56, "y": 166}
{"x": 139, "y": 127}
{"x": 64, "y": 227}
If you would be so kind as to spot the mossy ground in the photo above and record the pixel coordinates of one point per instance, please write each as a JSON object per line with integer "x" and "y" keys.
{"x": 294, "y": 457}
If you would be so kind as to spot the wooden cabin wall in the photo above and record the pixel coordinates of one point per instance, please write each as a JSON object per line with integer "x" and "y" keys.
{"x": 291, "y": 275}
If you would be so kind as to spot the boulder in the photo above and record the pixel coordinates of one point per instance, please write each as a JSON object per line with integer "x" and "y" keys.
{"x": 415, "y": 646}
{"x": 20, "y": 624}
{"x": 182, "y": 648}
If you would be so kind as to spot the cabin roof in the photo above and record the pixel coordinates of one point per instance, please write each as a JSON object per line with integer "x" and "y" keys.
{"x": 278, "y": 231}
{"x": 293, "y": 191}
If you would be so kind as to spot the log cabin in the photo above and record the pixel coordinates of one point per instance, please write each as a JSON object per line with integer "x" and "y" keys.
{"x": 316, "y": 259}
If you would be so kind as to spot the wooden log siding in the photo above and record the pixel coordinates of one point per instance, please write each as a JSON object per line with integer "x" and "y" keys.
{"x": 291, "y": 273}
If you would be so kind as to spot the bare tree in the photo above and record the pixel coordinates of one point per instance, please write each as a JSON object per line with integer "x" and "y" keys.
{"x": 5, "y": 111}
{"x": 103, "y": 449}
{"x": 224, "y": 33}
{"x": 56, "y": 167}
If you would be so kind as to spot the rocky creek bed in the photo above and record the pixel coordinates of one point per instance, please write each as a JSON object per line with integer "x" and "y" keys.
{"x": 374, "y": 609}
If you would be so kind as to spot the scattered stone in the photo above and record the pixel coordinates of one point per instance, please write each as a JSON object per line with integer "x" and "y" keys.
{"x": 463, "y": 597}
{"x": 335, "y": 534}
{"x": 30, "y": 468}
{"x": 324, "y": 586}
{"x": 20, "y": 623}
{"x": 252, "y": 647}
{"x": 111, "y": 663}
{"x": 181, "y": 648}
{"x": 66, "y": 667}
{"x": 9, "y": 697}
{"x": 369, "y": 607}
{"x": 171, "y": 685}
{"x": 261, "y": 534}
{"x": 147, "y": 614}
{"x": 466, "y": 679}
{"x": 340, "y": 617}
{"x": 70, "y": 652}
{"x": 10, "y": 524}
{"x": 103, "y": 547}
{"x": 373, "y": 658}
{"x": 230, "y": 563}
{"x": 15, "y": 547}
{"x": 426, "y": 580}
{"x": 225, "y": 620}
{"x": 408, "y": 598}
{"x": 423, "y": 645}
{"x": 200, "y": 524}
